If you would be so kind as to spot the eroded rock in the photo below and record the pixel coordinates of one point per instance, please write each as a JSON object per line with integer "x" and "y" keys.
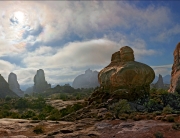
{"x": 175, "y": 74}
{"x": 159, "y": 84}
{"x": 123, "y": 73}
{"x": 4, "y": 89}
{"x": 14, "y": 85}
{"x": 40, "y": 84}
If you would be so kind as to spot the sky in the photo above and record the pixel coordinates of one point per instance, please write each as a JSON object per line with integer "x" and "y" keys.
{"x": 65, "y": 38}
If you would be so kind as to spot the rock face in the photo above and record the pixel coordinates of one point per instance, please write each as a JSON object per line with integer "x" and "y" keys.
{"x": 123, "y": 73}
{"x": 159, "y": 84}
{"x": 14, "y": 85}
{"x": 87, "y": 80}
{"x": 4, "y": 89}
{"x": 175, "y": 74}
{"x": 40, "y": 84}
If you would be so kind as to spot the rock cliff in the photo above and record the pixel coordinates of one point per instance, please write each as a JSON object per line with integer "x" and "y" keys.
{"x": 40, "y": 84}
{"x": 4, "y": 89}
{"x": 87, "y": 80}
{"x": 175, "y": 74}
{"x": 14, "y": 85}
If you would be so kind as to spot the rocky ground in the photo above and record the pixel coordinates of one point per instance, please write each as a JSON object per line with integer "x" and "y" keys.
{"x": 60, "y": 104}
{"x": 89, "y": 123}
{"x": 86, "y": 128}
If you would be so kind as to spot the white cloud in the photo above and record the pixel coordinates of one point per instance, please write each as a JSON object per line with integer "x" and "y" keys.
{"x": 162, "y": 36}
{"x": 6, "y": 68}
{"x": 163, "y": 69}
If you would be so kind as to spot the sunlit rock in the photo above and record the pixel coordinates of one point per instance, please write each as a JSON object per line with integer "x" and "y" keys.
{"x": 124, "y": 75}
{"x": 175, "y": 74}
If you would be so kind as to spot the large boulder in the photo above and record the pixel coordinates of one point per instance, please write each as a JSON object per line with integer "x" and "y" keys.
{"x": 159, "y": 84}
{"x": 124, "y": 75}
{"x": 40, "y": 84}
{"x": 87, "y": 80}
{"x": 14, "y": 85}
{"x": 175, "y": 74}
{"x": 5, "y": 90}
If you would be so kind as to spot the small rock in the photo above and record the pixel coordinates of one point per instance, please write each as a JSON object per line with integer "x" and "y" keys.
{"x": 65, "y": 130}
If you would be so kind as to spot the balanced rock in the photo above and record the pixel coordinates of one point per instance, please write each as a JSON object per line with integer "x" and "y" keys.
{"x": 40, "y": 84}
{"x": 14, "y": 85}
{"x": 159, "y": 84}
{"x": 87, "y": 80}
{"x": 125, "y": 75}
{"x": 5, "y": 90}
{"x": 175, "y": 74}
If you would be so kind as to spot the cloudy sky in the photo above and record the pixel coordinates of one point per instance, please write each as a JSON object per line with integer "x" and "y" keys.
{"x": 64, "y": 38}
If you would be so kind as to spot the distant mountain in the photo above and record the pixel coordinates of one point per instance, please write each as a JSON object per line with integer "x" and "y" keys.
{"x": 87, "y": 80}
{"x": 166, "y": 79}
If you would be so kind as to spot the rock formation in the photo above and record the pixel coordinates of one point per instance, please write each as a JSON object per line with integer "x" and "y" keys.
{"x": 14, "y": 85}
{"x": 87, "y": 80}
{"x": 124, "y": 75}
{"x": 40, "y": 84}
{"x": 159, "y": 84}
{"x": 4, "y": 89}
{"x": 175, "y": 74}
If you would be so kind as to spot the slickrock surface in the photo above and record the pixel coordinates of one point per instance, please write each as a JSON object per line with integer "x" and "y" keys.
{"x": 86, "y": 128}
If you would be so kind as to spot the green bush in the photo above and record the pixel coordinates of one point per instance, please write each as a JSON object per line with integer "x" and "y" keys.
{"x": 158, "y": 135}
{"x": 170, "y": 119}
{"x": 167, "y": 110}
{"x": 38, "y": 129}
{"x": 120, "y": 107}
{"x": 176, "y": 126}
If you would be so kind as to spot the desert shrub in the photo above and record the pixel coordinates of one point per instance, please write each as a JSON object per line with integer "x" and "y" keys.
{"x": 28, "y": 114}
{"x": 151, "y": 105}
{"x": 22, "y": 103}
{"x": 158, "y": 135}
{"x": 38, "y": 129}
{"x": 41, "y": 116}
{"x": 7, "y": 98}
{"x": 176, "y": 126}
{"x": 167, "y": 110}
{"x": 120, "y": 107}
{"x": 170, "y": 119}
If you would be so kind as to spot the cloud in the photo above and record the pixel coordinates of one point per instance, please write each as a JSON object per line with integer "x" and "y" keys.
{"x": 163, "y": 69}
{"x": 6, "y": 68}
{"x": 168, "y": 32}
{"x": 80, "y": 54}
{"x": 53, "y": 21}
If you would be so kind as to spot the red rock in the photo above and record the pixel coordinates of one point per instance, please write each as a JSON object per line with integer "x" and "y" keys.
{"x": 125, "y": 73}
{"x": 175, "y": 74}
